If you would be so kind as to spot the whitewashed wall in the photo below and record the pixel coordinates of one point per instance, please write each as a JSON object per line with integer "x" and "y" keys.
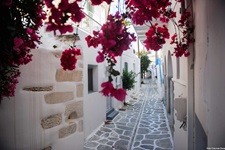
{"x": 94, "y": 102}
{"x": 177, "y": 71}
{"x": 37, "y": 119}
{"x": 210, "y": 71}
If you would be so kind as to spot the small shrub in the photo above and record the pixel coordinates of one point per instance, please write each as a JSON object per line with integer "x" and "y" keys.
{"x": 128, "y": 79}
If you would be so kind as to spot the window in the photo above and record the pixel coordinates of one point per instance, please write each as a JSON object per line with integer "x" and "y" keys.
{"x": 126, "y": 66}
{"x": 92, "y": 78}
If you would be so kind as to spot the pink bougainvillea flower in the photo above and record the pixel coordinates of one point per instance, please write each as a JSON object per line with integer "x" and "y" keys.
{"x": 107, "y": 88}
{"x": 173, "y": 38}
{"x": 29, "y": 31}
{"x": 186, "y": 54}
{"x": 108, "y": 43}
{"x": 35, "y": 37}
{"x": 108, "y": 1}
{"x": 68, "y": 58}
{"x": 92, "y": 41}
{"x": 76, "y": 14}
{"x": 119, "y": 94}
{"x": 156, "y": 37}
{"x": 65, "y": 28}
{"x": 113, "y": 37}
{"x": 17, "y": 42}
{"x": 96, "y": 2}
{"x": 59, "y": 16}
{"x": 48, "y": 3}
{"x": 100, "y": 58}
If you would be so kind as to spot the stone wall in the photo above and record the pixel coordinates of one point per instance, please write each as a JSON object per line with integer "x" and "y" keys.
{"x": 66, "y": 92}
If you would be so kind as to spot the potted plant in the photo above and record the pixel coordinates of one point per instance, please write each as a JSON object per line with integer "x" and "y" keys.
{"x": 128, "y": 79}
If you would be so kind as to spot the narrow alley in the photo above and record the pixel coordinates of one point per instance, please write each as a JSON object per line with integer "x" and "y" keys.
{"x": 143, "y": 125}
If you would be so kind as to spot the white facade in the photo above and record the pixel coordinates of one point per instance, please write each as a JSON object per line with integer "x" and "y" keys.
{"x": 53, "y": 108}
{"x": 197, "y": 92}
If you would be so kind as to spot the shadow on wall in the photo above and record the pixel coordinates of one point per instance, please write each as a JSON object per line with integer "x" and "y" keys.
{"x": 200, "y": 135}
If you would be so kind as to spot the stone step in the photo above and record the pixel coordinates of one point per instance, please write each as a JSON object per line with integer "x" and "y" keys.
{"x": 111, "y": 114}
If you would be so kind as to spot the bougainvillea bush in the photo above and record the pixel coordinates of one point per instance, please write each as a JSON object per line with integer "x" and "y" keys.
{"x": 114, "y": 39}
{"x": 21, "y": 19}
{"x": 149, "y": 11}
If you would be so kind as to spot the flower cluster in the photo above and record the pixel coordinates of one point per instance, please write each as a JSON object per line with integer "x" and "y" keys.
{"x": 68, "y": 58}
{"x": 9, "y": 80}
{"x": 147, "y": 11}
{"x": 20, "y": 21}
{"x": 98, "y": 2}
{"x": 109, "y": 90}
{"x": 183, "y": 42}
{"x": 156, "y": 37}
{"x": 113, "y": 37}
{"x": 59, "y": 16}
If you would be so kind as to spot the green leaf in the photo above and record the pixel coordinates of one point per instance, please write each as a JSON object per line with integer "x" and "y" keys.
{"x": 115, "y": 72}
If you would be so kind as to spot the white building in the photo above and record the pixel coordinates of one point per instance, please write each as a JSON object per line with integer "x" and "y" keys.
{"x": 194, "y": 86}
{"x": 58, "y": 109}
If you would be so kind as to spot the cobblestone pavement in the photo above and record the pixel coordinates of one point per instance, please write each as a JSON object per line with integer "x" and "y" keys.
{"x": 143, "y": 126}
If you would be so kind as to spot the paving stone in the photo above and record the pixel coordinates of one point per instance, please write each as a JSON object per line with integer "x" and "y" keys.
{"x": 110, "y": 143}
{"x": 145, "y": 123}
{"x": 133, "y": 120}
{"x": 91, "y": 144}
{"x": 139, "y": 137}
{"x": 163, "y": 129}
{"x": 124, "y": 137}
{"x": 104, "y": 147}
{"x": 136, "y": 144}
{"x": 119, "y": 131}
{"x": 111, "y": 125}
{"x": 117, "y": 118}
{"x": 105, "y": 130}
{"x": 113, "y": 138}
{"x": 121, "y": 145}
{"x": 138, "y": 148}
{"x": 165, "y": 143}
{"x": 124, "y": 120}
{"x": 114, "y": 134}
{"x": 154, "y": 125}
{"x": 130, "y": 125}
{"x": 121, "y": 124}
{"x": 147, "y": 142}
{"x": 105, "y": 135}
{"x": 147, "y": 147}
{"x": 163, "y": 125}
{"x": 103, "y": 141}
{"x": 128, "y": 133}
{"x": 99, "y": 133}
{"x": 143, "y": 131}
{"x": 156, "y": 132}
{"x": 156, "y": 136}
{"x": 125, "y": 128}
{"x": 94, "y": 138}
